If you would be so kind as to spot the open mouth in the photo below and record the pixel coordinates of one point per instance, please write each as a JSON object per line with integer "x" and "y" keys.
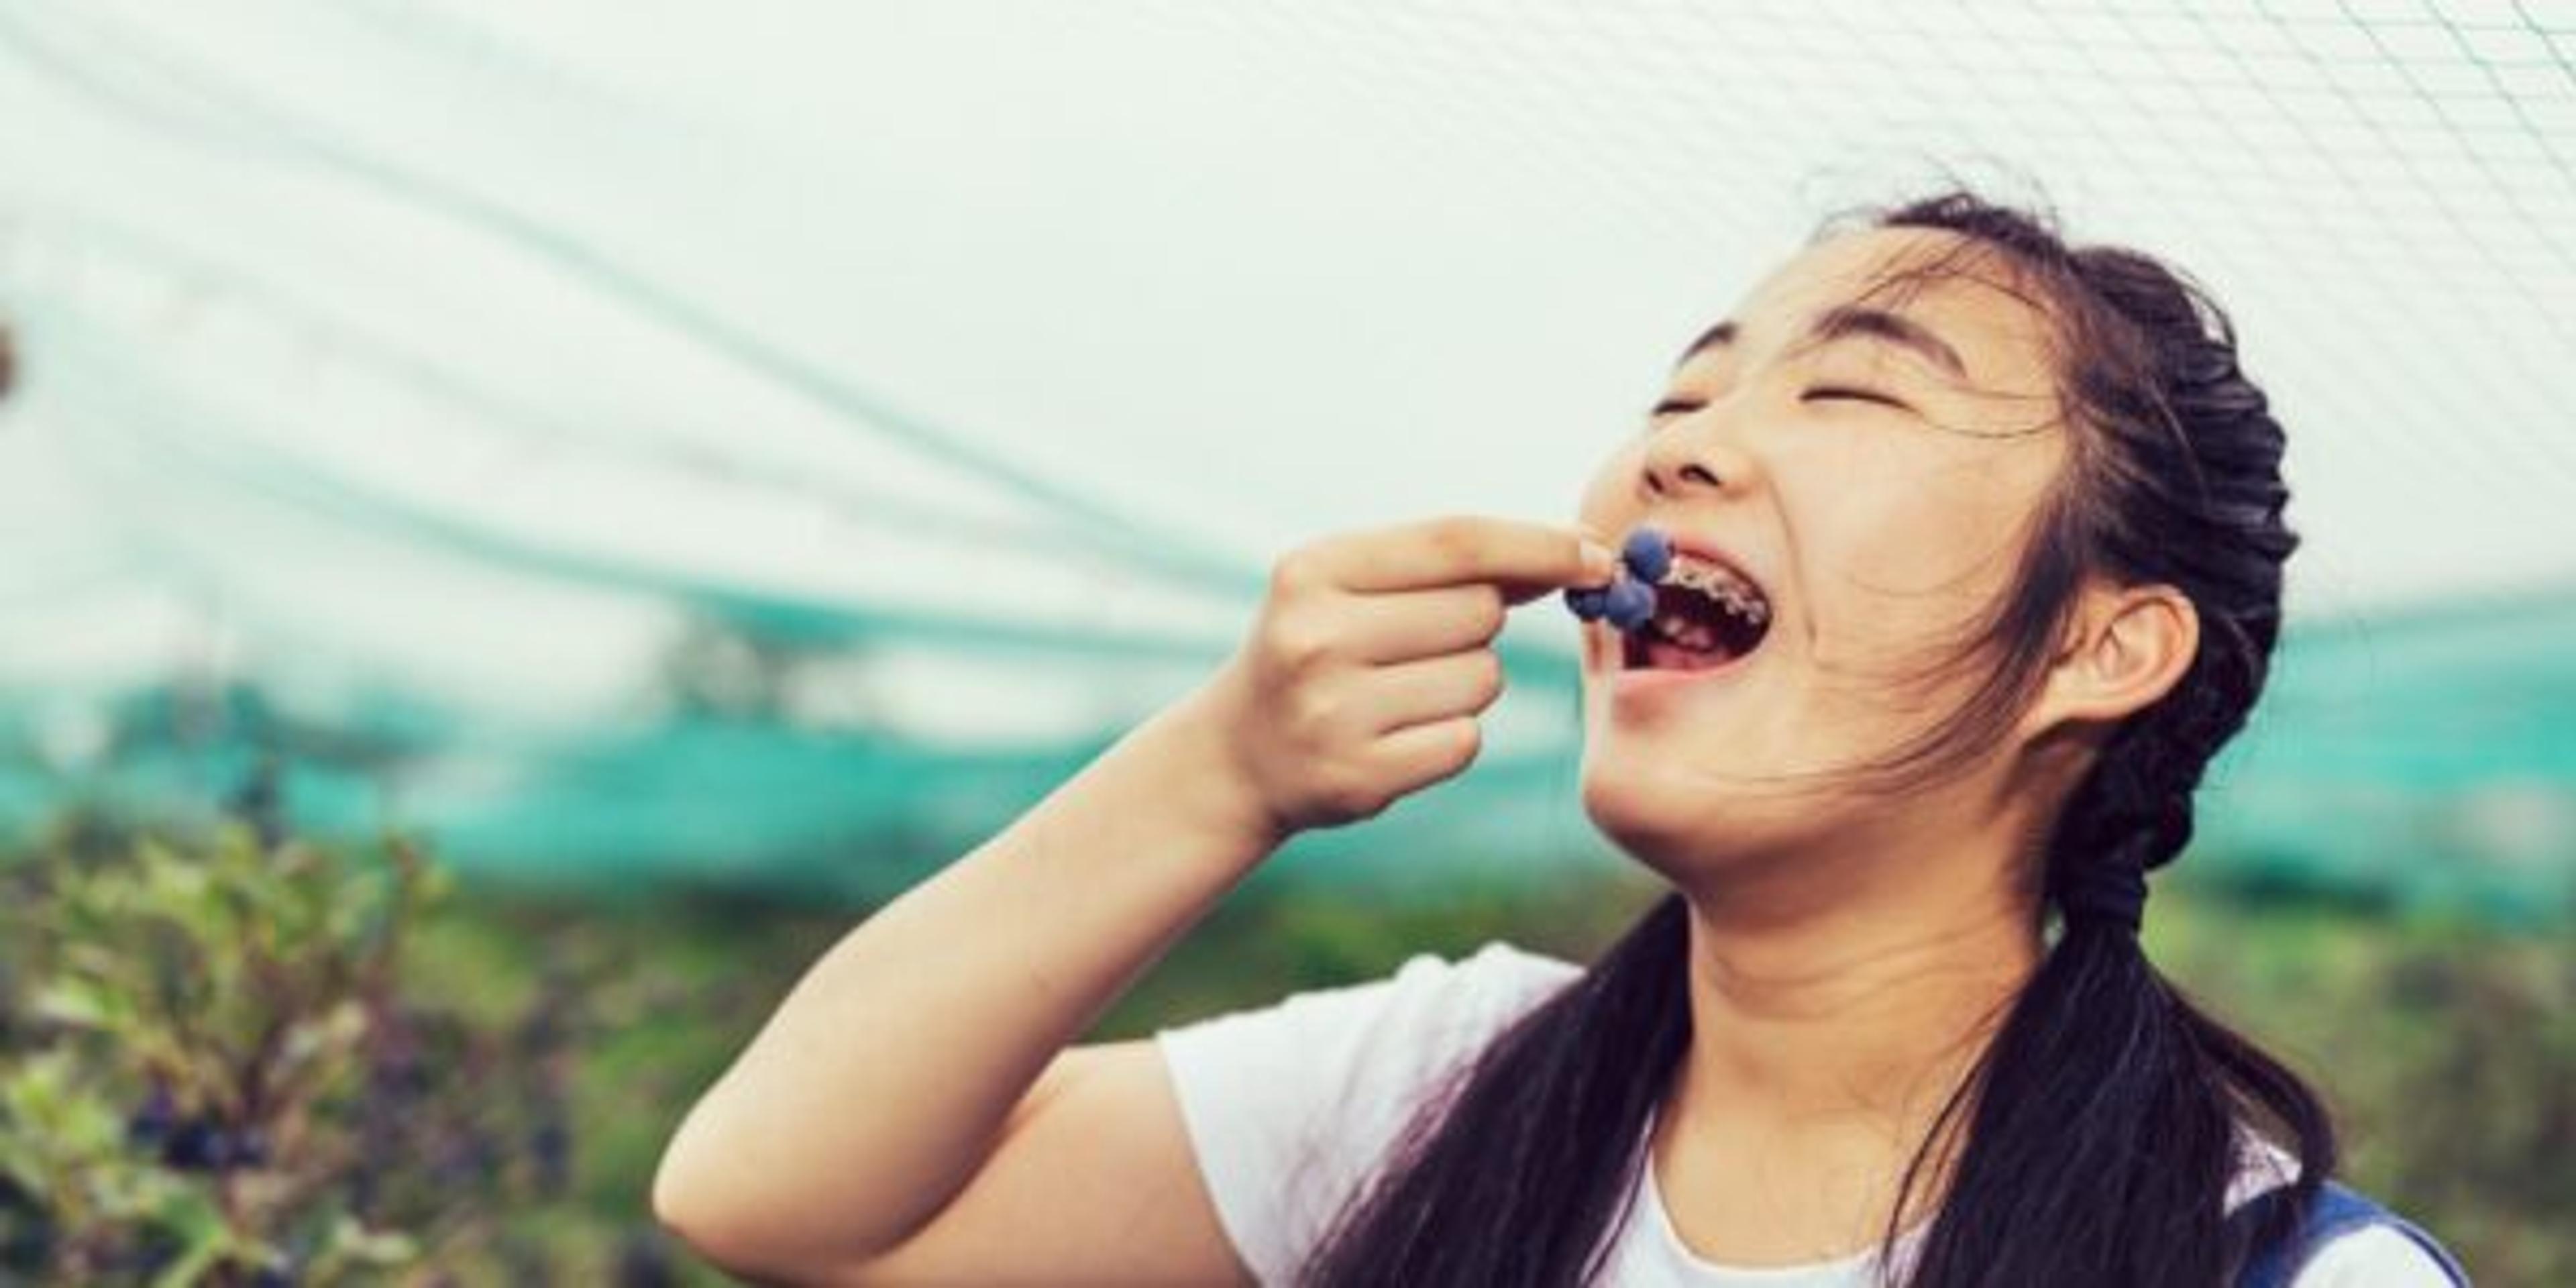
{"x": 1706, "y": 617}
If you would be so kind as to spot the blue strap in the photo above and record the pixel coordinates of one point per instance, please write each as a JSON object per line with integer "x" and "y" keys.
{"x": 2338, "y": 1210}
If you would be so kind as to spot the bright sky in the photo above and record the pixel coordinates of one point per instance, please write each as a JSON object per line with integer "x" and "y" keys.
{"x": 423, "y": 344}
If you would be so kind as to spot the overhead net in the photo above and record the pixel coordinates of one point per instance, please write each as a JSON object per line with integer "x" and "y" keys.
{"x": 634, "y": 441}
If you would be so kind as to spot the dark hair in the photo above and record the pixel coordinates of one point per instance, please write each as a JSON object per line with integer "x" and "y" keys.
{"x": 2094, "y": 1138}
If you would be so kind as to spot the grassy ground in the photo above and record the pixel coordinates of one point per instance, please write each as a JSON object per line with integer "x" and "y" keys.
{"x": 2447, "y": 1052}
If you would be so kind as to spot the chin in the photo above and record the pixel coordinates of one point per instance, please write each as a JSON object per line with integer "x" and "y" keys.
{"x": 1663, "y": 824}
{"x": 1681, "y": 824}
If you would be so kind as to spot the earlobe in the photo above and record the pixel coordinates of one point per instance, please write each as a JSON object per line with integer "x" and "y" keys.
{"x": 2127, "y": 648}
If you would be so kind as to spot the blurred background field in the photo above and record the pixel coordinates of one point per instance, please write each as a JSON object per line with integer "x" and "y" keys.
{"x": 533, "y": 1054}
{"x": 687, "y": 472}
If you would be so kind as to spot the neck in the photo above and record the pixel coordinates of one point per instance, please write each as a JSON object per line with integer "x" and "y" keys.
{"x": 1854, "y": 990}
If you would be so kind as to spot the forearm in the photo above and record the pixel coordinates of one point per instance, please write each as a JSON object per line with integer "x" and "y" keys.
{"x": 881, "y": 1083}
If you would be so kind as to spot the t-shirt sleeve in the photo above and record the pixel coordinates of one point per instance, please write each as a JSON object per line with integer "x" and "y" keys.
{"x": 2374, "y": 1256}
{"x": 1290, "y": 1107}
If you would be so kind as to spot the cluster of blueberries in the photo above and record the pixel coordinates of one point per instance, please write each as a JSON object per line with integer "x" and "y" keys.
{"x": 193, "y": 1144}
{"x": 201, "y": 1144}
{"x": 1628, "y": 602}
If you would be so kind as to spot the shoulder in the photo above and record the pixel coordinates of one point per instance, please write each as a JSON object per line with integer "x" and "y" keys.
{"x": 1376, "y": 1038}
{"x": 1289, "y": 1106}
{"x": 1482, "y": 990}
{"x": 2359, "y": 1249}
{"x": 1436, "y": 999}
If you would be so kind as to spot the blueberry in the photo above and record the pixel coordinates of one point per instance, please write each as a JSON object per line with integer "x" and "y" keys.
{"x": 1648, "y": 555}
{"x": 1587, "y": 601}
{"x": 1631, "y": 603}
{"x": 196, "y": 1145}
{"x": 552, "y": 1144}
{"x": 152, "y": 1120}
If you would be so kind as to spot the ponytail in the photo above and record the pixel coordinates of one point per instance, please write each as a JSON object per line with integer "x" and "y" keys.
{"x": 2108, "y": 1111}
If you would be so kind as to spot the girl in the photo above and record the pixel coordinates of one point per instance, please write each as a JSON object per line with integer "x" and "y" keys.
{"x": 1977, "y": 550}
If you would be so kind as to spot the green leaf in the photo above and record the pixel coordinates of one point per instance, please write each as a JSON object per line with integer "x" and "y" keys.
{"x": 83, "y": 1003}
{"x": 205, "y": 1238}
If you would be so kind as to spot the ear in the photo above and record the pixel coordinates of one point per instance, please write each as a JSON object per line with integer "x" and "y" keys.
{"x": 2125, "y": 647}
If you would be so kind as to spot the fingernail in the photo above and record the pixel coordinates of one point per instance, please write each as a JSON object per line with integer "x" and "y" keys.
{"x": 1600, "y": 560}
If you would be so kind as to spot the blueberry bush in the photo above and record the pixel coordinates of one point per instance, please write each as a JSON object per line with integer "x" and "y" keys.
{"x": 214, "y": 1074}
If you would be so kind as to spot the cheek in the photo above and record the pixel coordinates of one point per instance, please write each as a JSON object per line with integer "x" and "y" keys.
{"x": 1912, "y": 554}
{"x": 1609, "y": 500}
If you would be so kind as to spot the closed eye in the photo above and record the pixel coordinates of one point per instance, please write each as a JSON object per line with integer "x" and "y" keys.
{"x": 1818, "y": 393}
{"x": 1831, "y": 393}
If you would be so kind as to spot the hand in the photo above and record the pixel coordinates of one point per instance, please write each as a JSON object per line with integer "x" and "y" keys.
{"x": 1361, "y": 679}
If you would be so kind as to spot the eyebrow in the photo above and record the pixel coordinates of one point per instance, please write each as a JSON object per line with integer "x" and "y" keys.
{"x": 1848, "y": 320}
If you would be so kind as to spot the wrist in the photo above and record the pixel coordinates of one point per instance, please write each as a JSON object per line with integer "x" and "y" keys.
{"x": 1192, "y": 746}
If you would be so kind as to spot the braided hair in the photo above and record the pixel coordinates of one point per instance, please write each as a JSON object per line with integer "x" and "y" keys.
{"x": 2094, "y": 1139}
{"x": 2106, "y": 1112}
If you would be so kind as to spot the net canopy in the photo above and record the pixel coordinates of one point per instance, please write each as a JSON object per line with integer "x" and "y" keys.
{"x": 780, "y": 441}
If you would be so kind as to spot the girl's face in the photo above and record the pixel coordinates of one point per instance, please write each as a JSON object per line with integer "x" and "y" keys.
{"x": 1872, "y": 463}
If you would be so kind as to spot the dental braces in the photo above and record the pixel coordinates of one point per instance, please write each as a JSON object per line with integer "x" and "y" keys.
{"x": 1647, "y": 560}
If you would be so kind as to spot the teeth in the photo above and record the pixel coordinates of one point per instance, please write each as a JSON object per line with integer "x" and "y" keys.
{"x": 1685, "y": 632}
{"x": 1725, "y": 587}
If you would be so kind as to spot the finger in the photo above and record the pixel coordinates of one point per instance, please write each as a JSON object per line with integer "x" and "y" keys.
{"x": 1414, "y": 624}
{"x": 1529, "y": 557}
{"x": 1423, "y": 754}
{"x": 1432, "y": 689}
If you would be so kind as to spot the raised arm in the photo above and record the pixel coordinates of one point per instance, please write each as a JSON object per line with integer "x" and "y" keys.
{"x": 890, "y": 1121}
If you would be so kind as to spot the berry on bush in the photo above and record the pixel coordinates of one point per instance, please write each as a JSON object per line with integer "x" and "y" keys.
{"x": 196, "y": 1145}
{"x": 152, "y": 1120}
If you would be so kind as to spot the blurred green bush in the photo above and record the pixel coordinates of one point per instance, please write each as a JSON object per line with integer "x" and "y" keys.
{"x": 218, "y": 1066}
{"x": 2447, "y": 1049}
{"x": 186, "y": 1090}
{"x": 230, "y": 1058}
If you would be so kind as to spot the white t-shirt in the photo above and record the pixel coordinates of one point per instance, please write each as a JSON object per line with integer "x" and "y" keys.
{"x": 1290, "y": 1107}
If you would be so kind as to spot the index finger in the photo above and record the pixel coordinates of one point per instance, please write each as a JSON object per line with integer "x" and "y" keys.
{"x": 1525, "y": 559}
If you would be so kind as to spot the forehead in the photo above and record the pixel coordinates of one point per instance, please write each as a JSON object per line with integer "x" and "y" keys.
{"x": 1970, "y": 299}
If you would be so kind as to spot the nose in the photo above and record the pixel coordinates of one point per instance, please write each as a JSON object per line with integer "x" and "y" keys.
{"x": 1698, "y": 452}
